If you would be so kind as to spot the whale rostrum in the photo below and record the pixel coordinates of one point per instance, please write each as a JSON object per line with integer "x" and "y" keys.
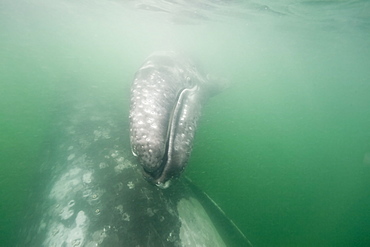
{"x": 167, "y": 95}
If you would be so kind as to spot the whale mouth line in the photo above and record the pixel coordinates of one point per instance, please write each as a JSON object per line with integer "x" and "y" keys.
{"x": 156, "y": 174}
{"x": 167, "y": 170}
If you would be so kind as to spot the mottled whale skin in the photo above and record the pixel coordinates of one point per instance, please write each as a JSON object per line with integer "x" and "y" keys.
{"x": 92, "y": 192}
{"x": 167, "y": 95}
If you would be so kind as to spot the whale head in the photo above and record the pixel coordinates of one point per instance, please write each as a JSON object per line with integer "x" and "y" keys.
{"x": 166, "y": 99}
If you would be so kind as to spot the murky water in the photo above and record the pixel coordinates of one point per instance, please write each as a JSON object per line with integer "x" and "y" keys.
{"x": 285, "y": 150}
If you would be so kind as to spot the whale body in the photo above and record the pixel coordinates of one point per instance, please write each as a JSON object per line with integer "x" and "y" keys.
{"x": 92, "y": 192}
{"x": 166, "y": 100}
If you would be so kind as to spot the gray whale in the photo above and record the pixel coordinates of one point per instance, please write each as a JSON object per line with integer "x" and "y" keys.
{"x": 166, "y": 100}
{"x": 92, "y": 192}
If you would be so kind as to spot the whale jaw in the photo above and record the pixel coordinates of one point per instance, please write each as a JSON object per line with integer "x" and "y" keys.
{"x": 166, "y": 99}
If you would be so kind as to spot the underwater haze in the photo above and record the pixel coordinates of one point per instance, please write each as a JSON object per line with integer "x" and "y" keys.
{"x": 284, "y": 150}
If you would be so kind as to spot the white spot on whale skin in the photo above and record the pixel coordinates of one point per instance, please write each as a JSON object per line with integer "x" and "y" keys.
{"x": 114, "y": 154}
{"x": 71, "y": 156}
{"x": 151, "y": 212}
{"x": 81, "y": 219}
{"x": 71, "y": 203}
{"x": 98, "y": 237}
{"x": 121, "y": 166}
{"x": 56, "y": 235}
{"x": 171, "y": 237}
{"x": 77, "y": 235}
{"x": 120, "y": 208}
{"x": 101, "y": 133}
{"x": 87, "y": 178}
{"x": 87, "y": 193}
{"x": 68, "y": 183}
{"x": 103, "y": 165}
{"x": 130, "y": 185}
{"x": 66, "y": 213}
{"x": 126, "y": 217}
{"x": 61, "y": 235}
{"x": 120, "y": 159}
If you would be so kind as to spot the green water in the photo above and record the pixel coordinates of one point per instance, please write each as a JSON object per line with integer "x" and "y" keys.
{"x": 285, "y": 150}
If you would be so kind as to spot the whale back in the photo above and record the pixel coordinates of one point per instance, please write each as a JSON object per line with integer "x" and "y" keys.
{"x": 93, "y": 192}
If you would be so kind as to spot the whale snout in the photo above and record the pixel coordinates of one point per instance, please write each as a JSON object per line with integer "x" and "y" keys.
{"x": 166, "y": 99}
